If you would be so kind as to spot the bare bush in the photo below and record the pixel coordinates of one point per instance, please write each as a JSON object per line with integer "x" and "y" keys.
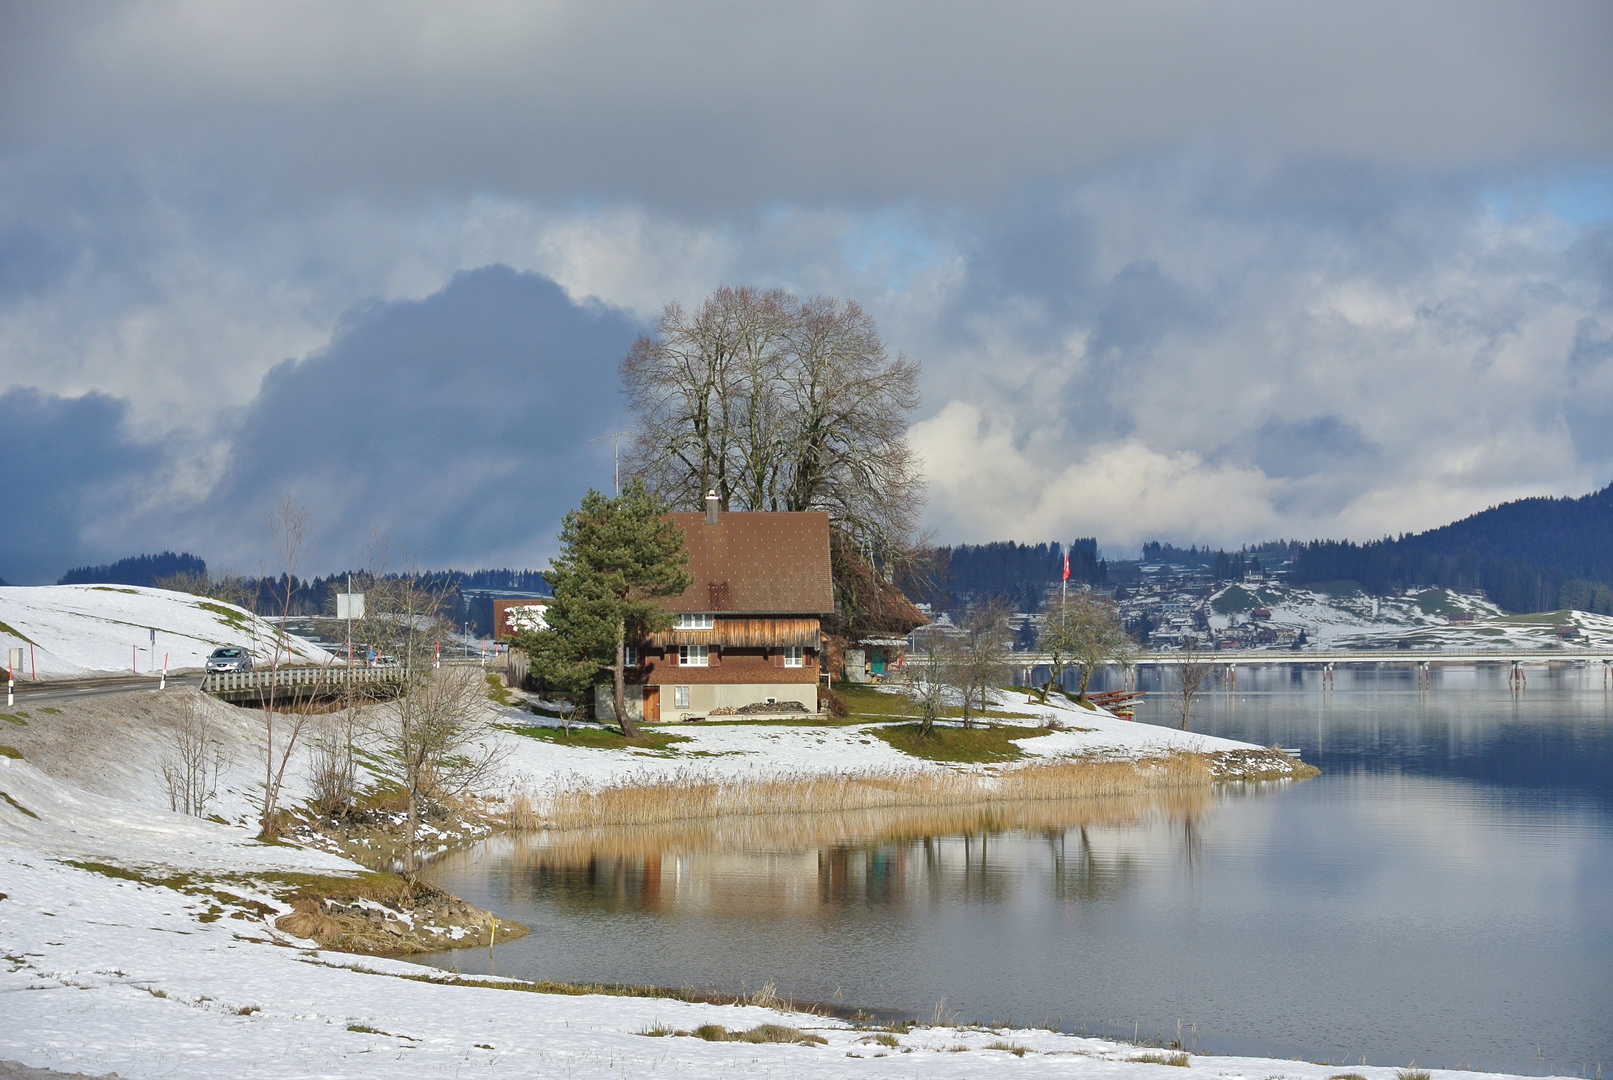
{"x": 191, "y": 767}
{"x": 438, "y": 744}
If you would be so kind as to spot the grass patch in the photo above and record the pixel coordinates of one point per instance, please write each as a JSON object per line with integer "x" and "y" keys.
{"x": 15, "y": 804}
{"x": 10, "y": 752}
{"x": 48, "y": 709}
{"x": 883, "y": 1038}
{"x": 602, "y": 738}
{"x": 1411, "y": 1074}
{"x": 7, "y": 628}
{"x": 1159, "y": 1057}
{"x": 497, "y": 691}
{"x": 761, "y": 1033}
{"x": 109, "y": 588}
{"x": 1346, "y": 1076}
{"x": 15, "y": 718}
{"x": 973, "y": 746}
{"x": 1338, "y": 590}
{"x": 1012, "y": 1048}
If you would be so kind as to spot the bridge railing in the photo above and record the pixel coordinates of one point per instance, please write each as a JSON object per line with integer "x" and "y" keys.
{"x": 231, "y": 683}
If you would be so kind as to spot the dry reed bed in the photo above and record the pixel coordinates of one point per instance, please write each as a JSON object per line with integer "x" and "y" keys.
{"x": 691, "y": 795}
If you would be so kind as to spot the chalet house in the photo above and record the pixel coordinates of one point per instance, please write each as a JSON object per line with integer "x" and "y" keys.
{"x": 748, "y": 630}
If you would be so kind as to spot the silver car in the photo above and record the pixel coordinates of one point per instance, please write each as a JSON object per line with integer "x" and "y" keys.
{"x": 229, "y": 658}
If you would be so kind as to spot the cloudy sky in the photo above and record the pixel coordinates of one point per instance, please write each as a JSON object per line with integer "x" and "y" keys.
{"x": 1188, "y": 271}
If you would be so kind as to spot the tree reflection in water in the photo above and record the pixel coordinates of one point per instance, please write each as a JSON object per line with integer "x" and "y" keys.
{"x": 871, "y": 859}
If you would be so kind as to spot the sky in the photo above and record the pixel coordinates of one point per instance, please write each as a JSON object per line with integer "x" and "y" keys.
{"x": 1204, "y": 273}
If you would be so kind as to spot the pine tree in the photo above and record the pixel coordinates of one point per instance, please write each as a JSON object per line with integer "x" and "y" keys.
{"x": 616, "y": 556}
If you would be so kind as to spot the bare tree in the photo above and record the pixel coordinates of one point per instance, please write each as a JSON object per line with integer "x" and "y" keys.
{"x": 195, "y": 758}
{"x": 1083, "y": 629}
{"x": 1193, "y": 674}
{"x": 438, "y": 743}
{"x": 926, "y": 672}
{"x": 288, "y": 526}
{"x": 979, "y": 659}
{"x": 776, "y": 403}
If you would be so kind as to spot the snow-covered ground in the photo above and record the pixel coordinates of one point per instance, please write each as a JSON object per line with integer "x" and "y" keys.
{"x": 1345, "y": 617}
{"x": 106, "y": 972}
{"x": 68, "y": 630}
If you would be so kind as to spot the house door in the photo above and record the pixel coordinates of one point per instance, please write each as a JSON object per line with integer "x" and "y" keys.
{"x": 652, "y": 703}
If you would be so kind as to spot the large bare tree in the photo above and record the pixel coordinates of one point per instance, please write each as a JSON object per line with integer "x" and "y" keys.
{"x": 776, "y": 403}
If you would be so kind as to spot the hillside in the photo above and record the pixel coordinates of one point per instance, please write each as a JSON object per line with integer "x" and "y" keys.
{"x": 67, "y": 630}
{"x": 1530, "y": 555}
{"x": 1340, "y": 614}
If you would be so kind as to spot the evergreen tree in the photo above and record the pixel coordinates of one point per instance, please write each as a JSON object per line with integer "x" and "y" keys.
{"x": 616, "y": 556}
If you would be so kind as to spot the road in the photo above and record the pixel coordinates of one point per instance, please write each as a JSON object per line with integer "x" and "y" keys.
{"x": 61, "y": 689}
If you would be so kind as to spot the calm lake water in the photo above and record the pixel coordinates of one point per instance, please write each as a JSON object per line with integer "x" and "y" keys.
{"x": 1442, "y": 894}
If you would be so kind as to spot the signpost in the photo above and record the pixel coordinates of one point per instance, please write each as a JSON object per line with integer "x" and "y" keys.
{"x": 350, "y": 606}
{"x": 14, "y": 661}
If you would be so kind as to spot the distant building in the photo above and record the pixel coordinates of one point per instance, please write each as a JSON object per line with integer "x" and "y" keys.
{"x": 1260, "y": 613}
{"x": 1459, "y": 618}
{"x": 510, "y": 617}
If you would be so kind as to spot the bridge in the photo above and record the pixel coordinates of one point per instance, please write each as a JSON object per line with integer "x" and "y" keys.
{"x": 1229, "y": 660}
{"x": 297, "y": 682}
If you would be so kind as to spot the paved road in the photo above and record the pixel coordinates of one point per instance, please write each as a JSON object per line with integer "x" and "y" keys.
{"x": 59, "y": 689}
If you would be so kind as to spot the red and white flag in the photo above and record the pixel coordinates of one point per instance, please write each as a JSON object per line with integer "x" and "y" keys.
{"x": 1066, "y": 566}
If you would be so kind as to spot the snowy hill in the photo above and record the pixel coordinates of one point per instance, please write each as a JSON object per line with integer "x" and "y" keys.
{"x": 1341, "y": 615}
{"x": 85, "y": 629}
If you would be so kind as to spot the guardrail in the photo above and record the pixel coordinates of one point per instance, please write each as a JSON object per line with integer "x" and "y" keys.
{"x": 299, "y": 681}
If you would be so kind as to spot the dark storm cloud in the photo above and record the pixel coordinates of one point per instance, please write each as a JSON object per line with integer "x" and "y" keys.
{"x": 66, "y": 462}
{"x": 801, "y": 102}
{"x": 458, "y": 426}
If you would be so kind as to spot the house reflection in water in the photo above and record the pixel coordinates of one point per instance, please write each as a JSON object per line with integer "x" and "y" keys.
{"x": 801, "y": 864}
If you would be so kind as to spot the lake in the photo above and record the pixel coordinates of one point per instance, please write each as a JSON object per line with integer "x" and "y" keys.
{"x": 1442, "y": 893}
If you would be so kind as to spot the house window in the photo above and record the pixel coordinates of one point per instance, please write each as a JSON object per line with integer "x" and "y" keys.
{"x": 792, "y": 656}
{"x": 680, "y": 697}
{"x": 694, "y": 656}
{"x": 694, "y": 620}
{"x": 630, "y": 656}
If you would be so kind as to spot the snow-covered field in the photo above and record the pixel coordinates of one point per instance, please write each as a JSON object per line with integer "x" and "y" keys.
{"x": 1345, "y": 617}
{"x": 105, "y": 973}
{"x": 66, "y": 630}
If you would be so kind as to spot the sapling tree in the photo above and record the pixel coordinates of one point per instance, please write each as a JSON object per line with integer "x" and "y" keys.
{"x": 1193, "y": 674}
{"x": 437, "y": 744}
{"x": 617, "y": 556}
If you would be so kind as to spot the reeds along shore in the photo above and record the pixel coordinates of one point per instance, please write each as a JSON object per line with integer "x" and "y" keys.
{"x": 688, "y": 795}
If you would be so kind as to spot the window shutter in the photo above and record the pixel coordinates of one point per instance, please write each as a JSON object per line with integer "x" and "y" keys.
{"x": 715, "y": 656}
{"x": 672, "y": 656}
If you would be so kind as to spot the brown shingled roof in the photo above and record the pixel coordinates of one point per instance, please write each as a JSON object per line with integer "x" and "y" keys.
{"x": 760, "y": 563}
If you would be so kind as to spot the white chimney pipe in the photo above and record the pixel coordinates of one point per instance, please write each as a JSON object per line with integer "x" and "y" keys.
{"x": 711, "y": 507}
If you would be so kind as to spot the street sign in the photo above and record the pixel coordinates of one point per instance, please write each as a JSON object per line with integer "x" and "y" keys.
{"x": 16, "y": 660}
{"x": 350, "y": 605}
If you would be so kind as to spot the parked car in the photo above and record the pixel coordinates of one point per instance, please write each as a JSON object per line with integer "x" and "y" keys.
{"x": 229, "y": 658}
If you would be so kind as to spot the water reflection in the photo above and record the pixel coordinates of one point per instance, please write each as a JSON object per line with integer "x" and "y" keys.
{"x": 1443, "y": 892}
{"x": 1077, "y": 851}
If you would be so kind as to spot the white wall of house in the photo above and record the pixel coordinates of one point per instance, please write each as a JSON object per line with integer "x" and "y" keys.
{"x": 703, "y": 698}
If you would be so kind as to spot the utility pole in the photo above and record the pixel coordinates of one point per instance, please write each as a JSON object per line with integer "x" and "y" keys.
{"x": 618, "y": 436}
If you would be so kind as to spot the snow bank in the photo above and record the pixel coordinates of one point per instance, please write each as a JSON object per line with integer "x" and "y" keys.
{"x": 68, "y": 630}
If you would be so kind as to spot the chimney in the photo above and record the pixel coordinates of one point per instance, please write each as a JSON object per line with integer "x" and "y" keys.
{"x": 711, "y": 507}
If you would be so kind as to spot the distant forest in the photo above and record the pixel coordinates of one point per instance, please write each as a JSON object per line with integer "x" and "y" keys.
{"x": 1530, "y": 555}
{"x": 1017, "y": 573}
{"x": 135, "y": 570}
